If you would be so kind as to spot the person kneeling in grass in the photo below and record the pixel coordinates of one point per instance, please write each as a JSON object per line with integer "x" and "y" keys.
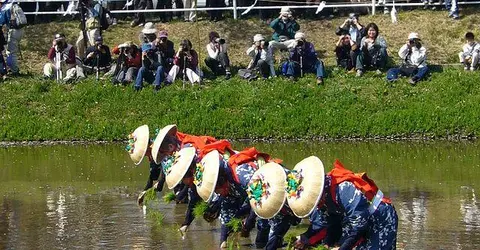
{"x": 471, "y": 53}
{"x": 414, "y": 59}
{"x": 303, "y": 59}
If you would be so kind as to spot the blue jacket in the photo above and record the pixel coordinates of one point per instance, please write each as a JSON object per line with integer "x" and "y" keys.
{"x": 308, "y": 53}
{"x": 5, "y": 15}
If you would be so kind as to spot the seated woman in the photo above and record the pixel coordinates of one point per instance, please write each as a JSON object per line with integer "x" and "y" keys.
{"x": 345, "y": 52}
{"x": 217, "y": 59}
{"x": 261, "y": 59}
{"x": 127, "y": 64}
{"x": 414, "y": 59}
{"x": 373, "y": 51}
{"x": 185, "y": 64}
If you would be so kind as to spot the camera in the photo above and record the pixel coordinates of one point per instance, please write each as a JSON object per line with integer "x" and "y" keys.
{"x": 300, "y": 43}
{"x": 220, "y": 40}
{"x": 185, "y": 48}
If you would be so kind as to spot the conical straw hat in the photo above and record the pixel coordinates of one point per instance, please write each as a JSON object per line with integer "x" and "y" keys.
{"x": 177, "y": 166}
{"x": 305, "y": 186}
{"x": 266, "y": 190}
{"x": 206, "y": 175}
{"x": 167, "y": 130}
{"x": 138, "y": 144}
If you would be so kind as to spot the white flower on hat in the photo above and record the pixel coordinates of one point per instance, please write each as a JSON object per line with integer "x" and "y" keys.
{"x": 258, "y": 38}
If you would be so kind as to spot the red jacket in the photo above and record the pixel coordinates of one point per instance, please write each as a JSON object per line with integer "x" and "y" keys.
{"x": 135, "y": 61}
{"x": 69, "y": 52}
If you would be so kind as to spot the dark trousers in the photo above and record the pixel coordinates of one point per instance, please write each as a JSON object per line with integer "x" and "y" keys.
{"x": 264, "y": 68}
{"x": 418, "y": 73}
{"x": 142, "y": 5}
{"x": 215, "y": 15}
{"x": 165, "y": 4}
{"x": 220, "y": 65}
{"x": 372, "y": 60}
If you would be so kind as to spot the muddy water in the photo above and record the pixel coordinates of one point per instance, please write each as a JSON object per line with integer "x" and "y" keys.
{"x": 83, "y": 197}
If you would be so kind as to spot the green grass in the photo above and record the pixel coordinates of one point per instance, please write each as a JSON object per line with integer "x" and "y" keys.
{"x": 155, "y": 217}
{"x": 445, "y": 105}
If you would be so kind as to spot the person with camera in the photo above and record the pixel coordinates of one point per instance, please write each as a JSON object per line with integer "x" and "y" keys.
{"x": 98, "y": 57}
{"x": 157, "y": 58}
{"x": 303, "y": 59}
{"x": 127, "y": 64}
{"x": 284, "y": 28}
{"x": 148, "y": 34}
{"x": 373, "y": 51}
{"x": 14, "y": 34}
{"x": 262, "y": 59}
{"x": 217, "y": 59}
{"x": 355, "y": 31}
{"x": 345, "y": 52}
{"x": 471, "y": 53}
{"x": 414, "y": 57}
{"x": 185, "y": 64}
{"x": 62, "y": 58}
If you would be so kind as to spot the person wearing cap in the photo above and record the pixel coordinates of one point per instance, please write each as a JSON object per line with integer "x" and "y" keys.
{"x": 185, "y": 64}
{"x": 217, "y": 59}
{"x": 165, "y": 49}
{"x": 98, "y": 56}
{"x": 127, "y": 64}
{"x": 346, "y": 210}
{"x": 262, "y": 57}
{"x": 66, "y": 53}
{"x": 414, "y": 61}
{"x": 355, "y": 30}
{"x": 148, "y": 34}
{"x": 303, "y": 59}
{"x": 92, "y": 28}
{"x": 373, "y": 51}
{"x": 471, "y": 53}
{"x": 284, "y": 28}
{"x": 14, "y": 36}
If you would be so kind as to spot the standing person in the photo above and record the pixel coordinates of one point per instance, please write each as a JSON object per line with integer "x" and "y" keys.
{"x": 452, "y": 8}
{"x": 217, "y": 59}
{"x": 128, "y": 62}
{"x": 9, "y": 16}
{"x": 261, "y": 57}
{"x": 356, "y": 31}
{"x": 303, "y": 59}
{"x": 471, "y": 52}
{"x": 284, "y": 28}
{"x": 92, "y": 26}
{"x": 414, "y": 57}
{"x": 215, "y": 15}
{"x": 373, "y": 51}
{"x": 185, "y": 64}
{"x": 342, "y": 198}
{"x": 165, "y": 17}
{"x": 140, "y": 16}
{"x": 189, "y": 16}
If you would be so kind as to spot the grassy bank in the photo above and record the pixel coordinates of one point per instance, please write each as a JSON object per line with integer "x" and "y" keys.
{"x": 446, "y": 104}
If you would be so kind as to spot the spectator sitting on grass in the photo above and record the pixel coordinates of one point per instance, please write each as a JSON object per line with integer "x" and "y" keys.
{"x": 373, "y": 51}
{"x": 62, "y": 58}
{"x": 262, "y": 58}
{"x": 284, "y": 28}
{"x": 414, "y": 59}
{"x": 345, "y": 52}
{"x": 98, "y": 57}
{"x": 217, "y": 59}
{"x": 303, "y": 58}
{"x": 185, "y": 64}
{"x": 355, "y": 30}
{"x": 148, "y": 34}
{"x": 471, "y": 52}
{"x": 128, "y": 62}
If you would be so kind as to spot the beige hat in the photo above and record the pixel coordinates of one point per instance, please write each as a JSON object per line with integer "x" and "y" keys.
{"x": 138, "y": 144}
{"x": 305, "y": 186}
{"x": 149, "y": 28}
{"x": 162, "y": 133}
{"x": 177, "y": 166}
{"x": 413, "y": 35}
{"x": 299, "y": 36}
{"x": 206, "y": 175}
{"x": 266, "y": 190}
{"x": 258, "y": 38}
{"x": 285, "y": 10}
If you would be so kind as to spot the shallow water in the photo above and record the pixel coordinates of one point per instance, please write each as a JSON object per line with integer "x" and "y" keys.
{"x": 83, "y": 196}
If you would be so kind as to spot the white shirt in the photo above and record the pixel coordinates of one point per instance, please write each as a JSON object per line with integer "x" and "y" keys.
{"x": 418, "y": 57}
{"x": 213, "y": 51}
{"x": 469, "y": 49}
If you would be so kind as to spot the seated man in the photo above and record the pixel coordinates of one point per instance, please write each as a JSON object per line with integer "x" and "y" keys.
{"x": 414, "y": 59}
{"x": 98, "y": 57}
{"x": 128, "y": 62}
{"x": 62, "y": 58}
{"x": 345, "y": 52}
{"x": 373, "y": 51}
{"x": 284, "y": 28}
{"x": 185, "y": 64}
{"x": 303, "y": 59}
{"x": 217, "y": 59}
{"x": 471, "y": 53}
{"x": 262, "y": 58}
{"x": 355, "y": 30}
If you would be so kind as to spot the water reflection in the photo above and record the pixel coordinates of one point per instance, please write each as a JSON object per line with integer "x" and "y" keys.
{"x": 64, "y": 197}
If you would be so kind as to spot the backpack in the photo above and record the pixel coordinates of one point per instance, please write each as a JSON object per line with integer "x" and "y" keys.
{"x": 19, "y": 15}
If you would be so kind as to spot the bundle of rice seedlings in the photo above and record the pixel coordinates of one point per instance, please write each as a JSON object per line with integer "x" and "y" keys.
{"x": 169, "y": 197}
{"x": 150, "y": 195}
{"x": 200, "y": 209}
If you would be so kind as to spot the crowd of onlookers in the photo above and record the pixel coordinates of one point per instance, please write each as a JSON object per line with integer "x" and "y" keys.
{"x": 157, "y": 61}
